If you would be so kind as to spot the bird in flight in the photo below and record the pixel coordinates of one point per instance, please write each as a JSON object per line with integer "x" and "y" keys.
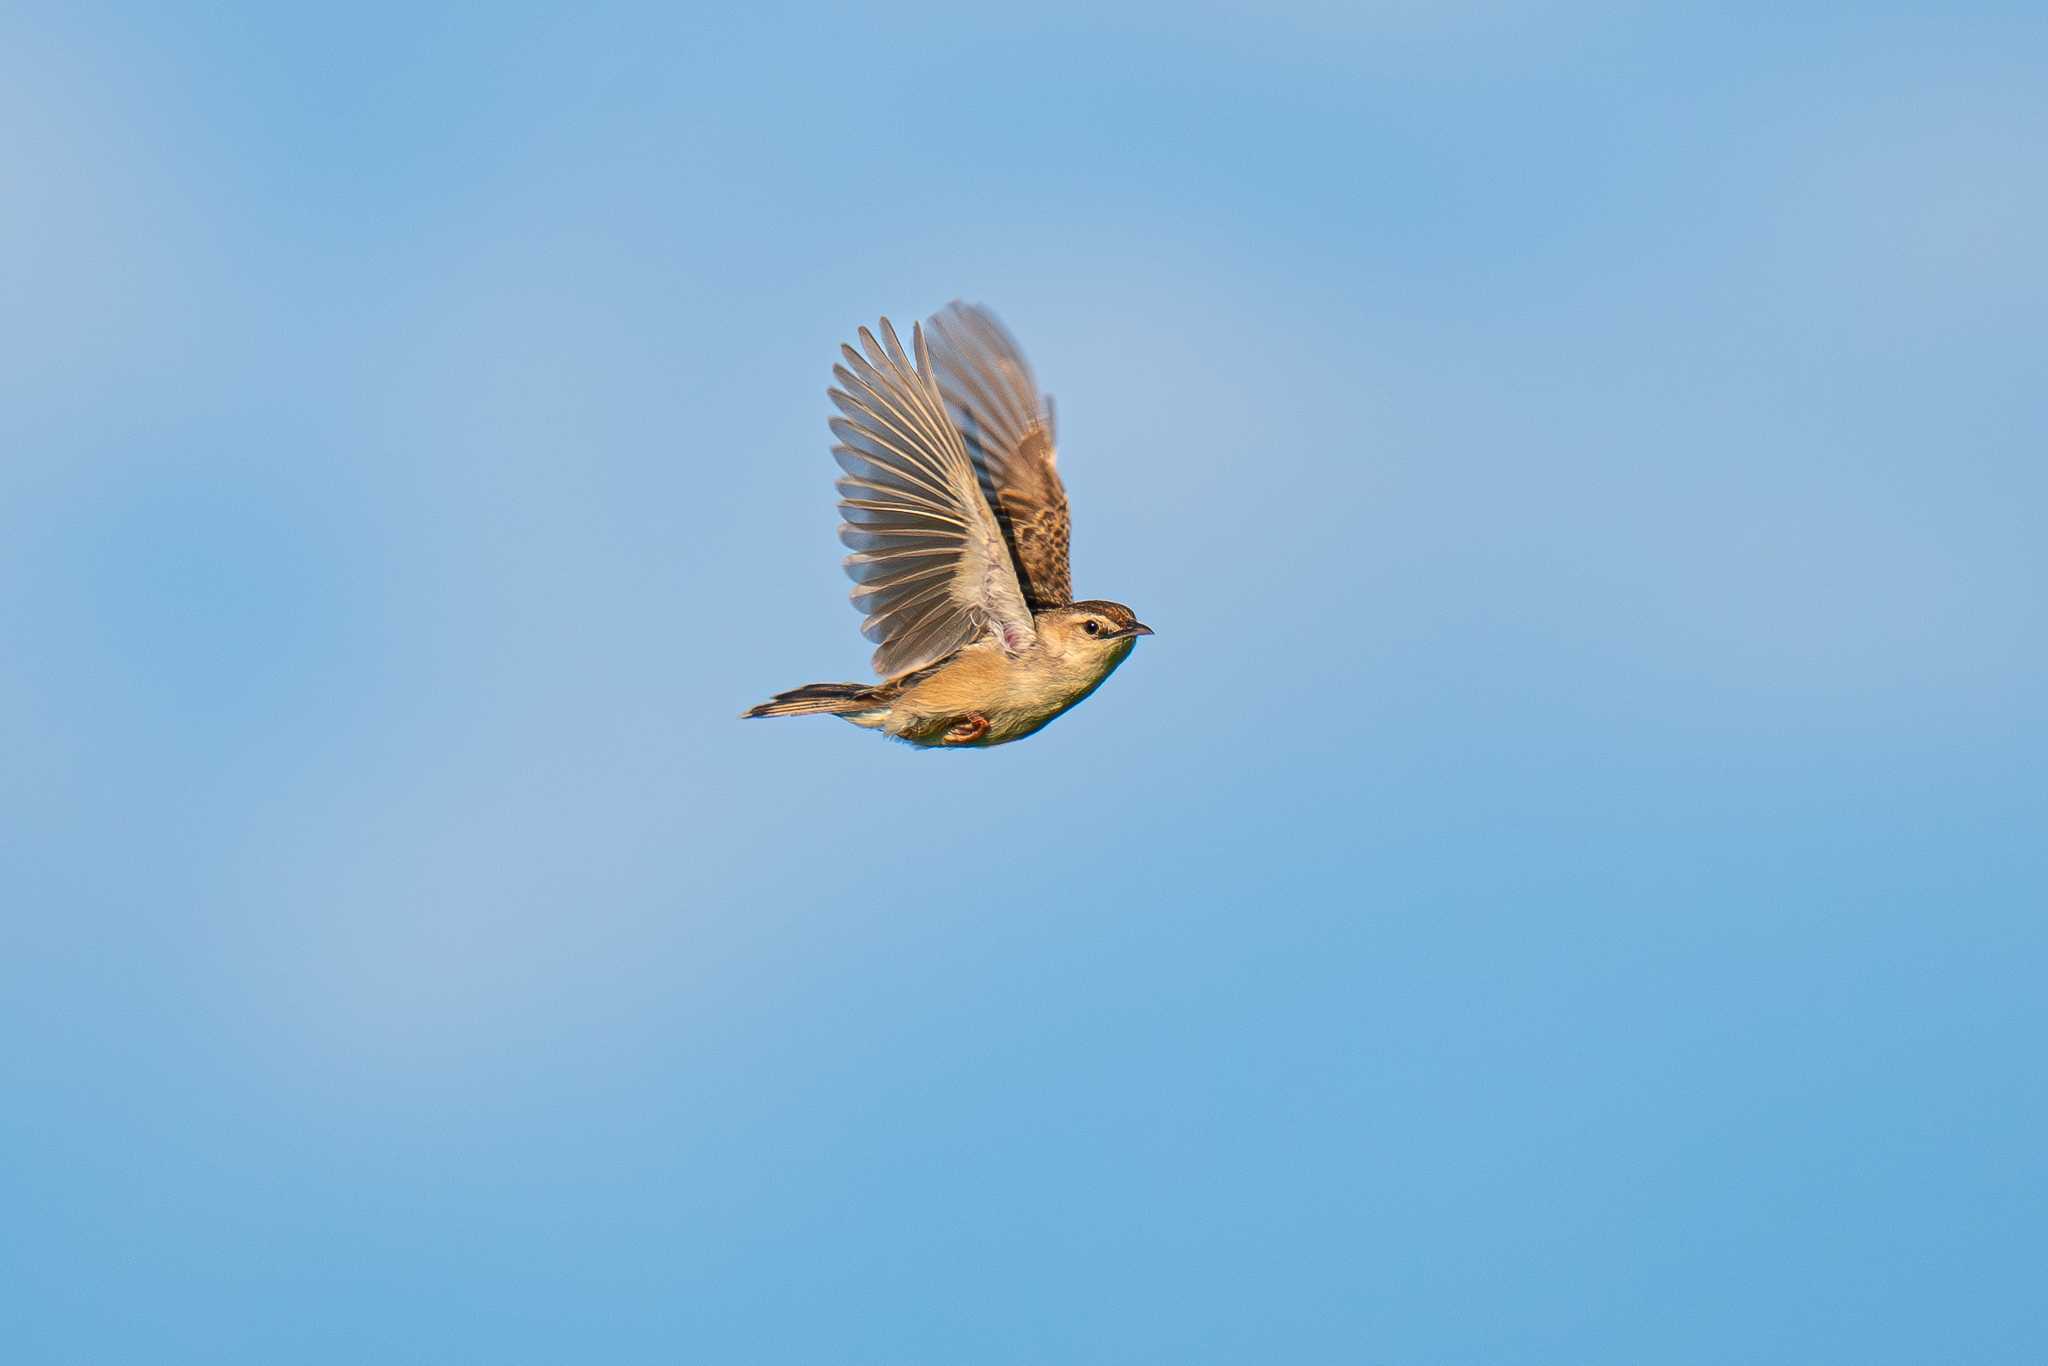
{"x": 958, "y": 524}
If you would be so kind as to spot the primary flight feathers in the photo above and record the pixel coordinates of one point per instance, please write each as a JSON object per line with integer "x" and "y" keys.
{"x": 932, "y": 565}
{"x": 993, "y": 399}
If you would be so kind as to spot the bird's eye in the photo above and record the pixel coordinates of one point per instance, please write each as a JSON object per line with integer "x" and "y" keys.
{"x": 1092, "y": 628}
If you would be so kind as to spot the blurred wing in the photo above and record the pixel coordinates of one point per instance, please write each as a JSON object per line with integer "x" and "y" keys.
{"x": 931, "y": 570}
{"x": 1008, "y": 429}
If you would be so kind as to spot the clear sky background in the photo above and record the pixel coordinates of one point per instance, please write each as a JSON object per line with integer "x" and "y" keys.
{"x": 1566, "y": 883}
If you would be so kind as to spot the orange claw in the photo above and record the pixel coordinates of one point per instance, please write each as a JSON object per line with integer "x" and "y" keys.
{"x": 967, "y": 729}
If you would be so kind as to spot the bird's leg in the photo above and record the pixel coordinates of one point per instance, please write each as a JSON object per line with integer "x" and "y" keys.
{"x": 967, "y": 729}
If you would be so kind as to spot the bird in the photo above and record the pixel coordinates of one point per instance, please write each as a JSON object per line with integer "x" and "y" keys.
{"x": 958, "y": 522}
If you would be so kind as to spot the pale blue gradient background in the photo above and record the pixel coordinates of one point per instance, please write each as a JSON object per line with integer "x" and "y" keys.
{"x": 1566, "y": 883}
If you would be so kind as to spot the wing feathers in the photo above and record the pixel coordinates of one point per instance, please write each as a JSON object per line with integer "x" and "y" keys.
{"x": 1007, "y": 429}
{"x": 932, "y": 571}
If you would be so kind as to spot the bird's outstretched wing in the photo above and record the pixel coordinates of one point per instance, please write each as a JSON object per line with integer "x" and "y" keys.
{"x": 1008, "y": 429}
{"x": 931, "y": 569}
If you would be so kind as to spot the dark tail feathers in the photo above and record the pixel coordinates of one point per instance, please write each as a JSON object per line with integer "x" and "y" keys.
{"x": 813, "y": 698}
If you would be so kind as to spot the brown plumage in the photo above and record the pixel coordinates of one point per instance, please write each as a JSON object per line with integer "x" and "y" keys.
{"x": 959, "y": 524}
{"x": 1009, "y": 431}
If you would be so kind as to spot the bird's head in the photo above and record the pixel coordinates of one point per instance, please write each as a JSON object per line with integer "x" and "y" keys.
{"x": 1091, "y": 628}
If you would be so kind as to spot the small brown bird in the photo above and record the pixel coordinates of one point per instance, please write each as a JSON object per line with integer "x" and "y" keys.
{"x": 958, "y": 522}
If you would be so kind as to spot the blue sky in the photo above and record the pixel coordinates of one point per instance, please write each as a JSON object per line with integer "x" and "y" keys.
{"x": 1565, "y": 883}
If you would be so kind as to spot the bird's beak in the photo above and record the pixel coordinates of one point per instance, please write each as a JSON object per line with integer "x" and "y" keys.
{"x": 1136, "y": 628}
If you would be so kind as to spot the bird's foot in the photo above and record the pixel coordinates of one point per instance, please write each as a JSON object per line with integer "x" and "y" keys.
{"x": 967, "y": 729}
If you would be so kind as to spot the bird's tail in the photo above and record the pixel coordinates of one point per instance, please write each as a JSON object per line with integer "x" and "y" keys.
{"x": 837, "y": 699}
